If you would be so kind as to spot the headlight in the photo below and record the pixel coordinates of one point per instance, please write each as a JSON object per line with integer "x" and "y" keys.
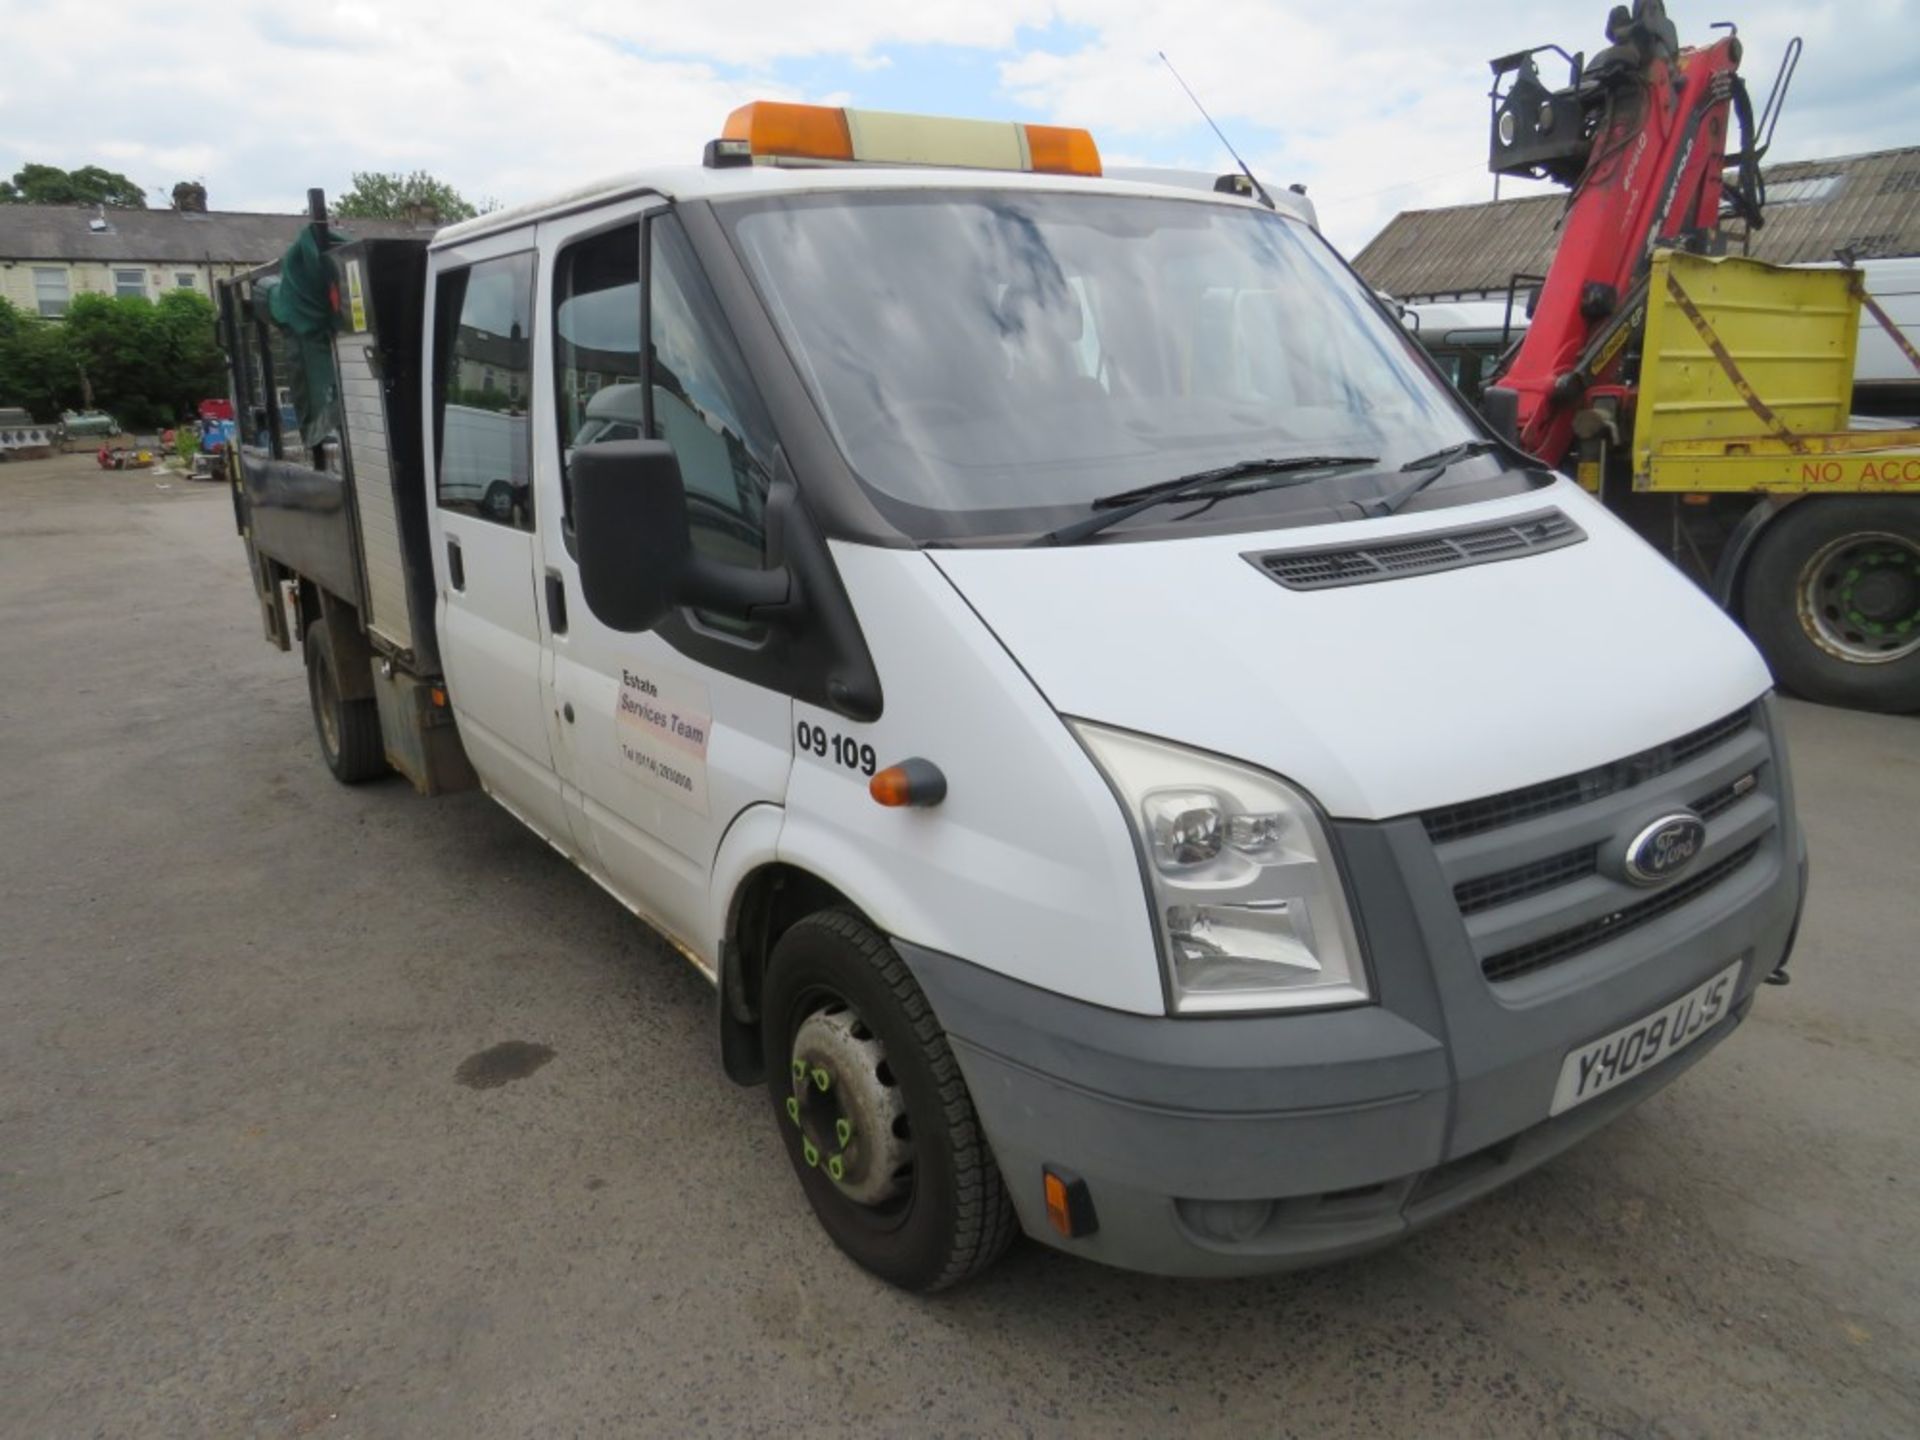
{"x": 1244, "y": 885}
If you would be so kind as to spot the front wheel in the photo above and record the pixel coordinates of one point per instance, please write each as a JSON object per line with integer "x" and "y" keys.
{"x": 873, "y": 1110}
{"x": 1832, "y": 598}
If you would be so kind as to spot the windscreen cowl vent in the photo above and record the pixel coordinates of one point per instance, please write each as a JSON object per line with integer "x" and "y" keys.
{"x": 1328, "y": 567}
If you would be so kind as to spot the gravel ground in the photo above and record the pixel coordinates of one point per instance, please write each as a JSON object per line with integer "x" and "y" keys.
{"x": 257, "y": 1178}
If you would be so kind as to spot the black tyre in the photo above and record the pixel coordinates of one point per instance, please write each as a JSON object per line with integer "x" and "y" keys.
{"x": 1832, "y": 598}
{"x": 873, "y": 1111}
{"x": 349, "y": 730}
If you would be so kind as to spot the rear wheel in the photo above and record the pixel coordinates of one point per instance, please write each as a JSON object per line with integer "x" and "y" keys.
{"x": 1832, "y": 596}
{"x": 873, "y": 1111}
{"x": 349, "y": 730}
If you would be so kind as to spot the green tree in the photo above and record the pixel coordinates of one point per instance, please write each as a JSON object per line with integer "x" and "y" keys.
{"x": 109, "y": 337}
{"x": 387, "y": 195}
{"x": 192, "y": 366}
{"x": 149, "y": 364}
{"x": 89, "y": 185}
{"x": 36, "y": 364}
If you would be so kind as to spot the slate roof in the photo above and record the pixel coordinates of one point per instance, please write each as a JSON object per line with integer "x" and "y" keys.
{"x": 217, "y": 237}
{"x": 1867, "y": 203}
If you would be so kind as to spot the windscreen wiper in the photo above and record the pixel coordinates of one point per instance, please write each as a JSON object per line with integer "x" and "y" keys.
{"x": 1436, "y": 465}
{"x": 1213, "y": 484}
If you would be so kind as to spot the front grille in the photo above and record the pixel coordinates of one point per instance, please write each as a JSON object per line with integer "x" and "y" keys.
{"x": 1330, "y": 566}
{"x": 1720, "y": 801}
{"x": 1475, "y": 817}
{"x": 1503, "y": 887}
{"x": 1489, "y": 891}
{"x": 1525, "y": 959}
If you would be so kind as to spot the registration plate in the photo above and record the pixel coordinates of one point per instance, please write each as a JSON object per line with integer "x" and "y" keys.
{"x": 1598, "y": 1066}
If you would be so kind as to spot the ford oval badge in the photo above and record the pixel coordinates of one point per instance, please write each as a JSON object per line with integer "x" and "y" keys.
{"x": 1665, "y": 848}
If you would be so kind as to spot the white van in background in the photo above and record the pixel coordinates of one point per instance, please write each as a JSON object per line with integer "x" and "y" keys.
{"x": 1885, "y": 380}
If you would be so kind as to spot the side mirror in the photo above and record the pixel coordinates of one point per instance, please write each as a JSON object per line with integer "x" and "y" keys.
{"x": 1501, "y": 406}
{"x": 637, "y": 561}
{"x": 630, "y": 523}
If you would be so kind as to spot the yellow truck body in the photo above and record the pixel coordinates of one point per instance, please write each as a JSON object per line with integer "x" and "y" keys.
{"x": 1746, "y": 385}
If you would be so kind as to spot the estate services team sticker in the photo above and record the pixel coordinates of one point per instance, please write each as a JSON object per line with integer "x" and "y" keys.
{"x": 664, "y": 723}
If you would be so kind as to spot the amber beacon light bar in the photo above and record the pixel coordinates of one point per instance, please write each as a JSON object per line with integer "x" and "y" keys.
{"x": 775, "y": 132}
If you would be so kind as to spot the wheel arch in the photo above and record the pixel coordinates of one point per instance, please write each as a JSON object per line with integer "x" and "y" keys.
{"x": 1730, "y": 574}
{"x": 765, "y": 903}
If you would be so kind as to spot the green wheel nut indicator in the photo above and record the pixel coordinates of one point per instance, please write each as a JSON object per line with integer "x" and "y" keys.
{"x": 793, "y": 1108}
{"x": 799, "y": 1069}
{"x": 836, "y": 1167}
{"x": 821, "y": 1079}
{"x": 843, "y": 1132}
{"x": 811, "y": 1152}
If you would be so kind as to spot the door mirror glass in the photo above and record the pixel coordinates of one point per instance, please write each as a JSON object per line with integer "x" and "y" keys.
{"x": 630, "y": 514}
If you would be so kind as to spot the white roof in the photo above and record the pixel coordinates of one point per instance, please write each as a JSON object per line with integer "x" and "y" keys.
{"x": 698, "y": 182}
{"x": 1449, "y": 317}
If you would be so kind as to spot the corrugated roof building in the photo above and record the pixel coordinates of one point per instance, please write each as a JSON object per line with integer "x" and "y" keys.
{"x": 1869, "y": 204}
{"x": 50, "y": 253}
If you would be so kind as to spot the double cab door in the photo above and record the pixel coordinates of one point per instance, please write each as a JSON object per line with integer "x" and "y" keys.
{"x": 623, "y": 750}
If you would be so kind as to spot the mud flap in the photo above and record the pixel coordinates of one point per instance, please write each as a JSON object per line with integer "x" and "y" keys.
{"x": 418, "y": 731}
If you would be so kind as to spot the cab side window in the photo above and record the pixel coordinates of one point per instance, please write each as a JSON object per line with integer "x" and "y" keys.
{"x": 483, "y": 372}
{"x": 597, "y": 358}
{"x": 701, "y": 401}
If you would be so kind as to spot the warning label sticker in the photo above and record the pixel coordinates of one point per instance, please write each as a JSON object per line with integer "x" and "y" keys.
{"x": 356, "y": 298}
{"x": 664, "y": 723}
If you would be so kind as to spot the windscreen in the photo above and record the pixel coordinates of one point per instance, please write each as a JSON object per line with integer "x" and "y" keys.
{"x": 991, "y": 362}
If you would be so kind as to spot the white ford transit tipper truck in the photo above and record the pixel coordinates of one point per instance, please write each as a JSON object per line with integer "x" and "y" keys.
{"x": 1140, "y": 763}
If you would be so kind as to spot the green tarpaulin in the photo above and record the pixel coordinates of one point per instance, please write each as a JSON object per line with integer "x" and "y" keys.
{"x": 301, "y": 303}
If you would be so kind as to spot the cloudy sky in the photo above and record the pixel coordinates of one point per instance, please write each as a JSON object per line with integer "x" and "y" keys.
{"x": 1376, "y": 105}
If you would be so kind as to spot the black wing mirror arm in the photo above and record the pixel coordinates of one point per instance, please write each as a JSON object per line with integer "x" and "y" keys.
{"x": 734, "y": 589}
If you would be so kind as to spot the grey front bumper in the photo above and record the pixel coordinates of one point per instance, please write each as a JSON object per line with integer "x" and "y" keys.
{"x": 1236, "y": 1146}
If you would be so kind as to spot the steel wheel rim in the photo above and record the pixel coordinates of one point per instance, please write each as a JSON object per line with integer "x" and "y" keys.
{"x": 853, "y": 1127}
{"x": 1859, "y": 598}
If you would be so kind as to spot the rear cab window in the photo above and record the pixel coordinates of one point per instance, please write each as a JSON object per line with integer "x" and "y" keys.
{"x": 483, "y": 376}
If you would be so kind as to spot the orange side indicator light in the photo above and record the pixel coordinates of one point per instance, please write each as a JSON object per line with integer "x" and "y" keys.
{"x": 912, "y": 782}
{"x": 1069, "y": 1204}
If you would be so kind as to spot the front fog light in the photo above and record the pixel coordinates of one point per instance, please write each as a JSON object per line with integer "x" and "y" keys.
{"x": 1245, "y": 888}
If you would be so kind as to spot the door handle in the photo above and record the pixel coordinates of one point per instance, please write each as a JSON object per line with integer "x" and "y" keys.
{"x": 556, "y": 603}
{"x": 456, "y": 566}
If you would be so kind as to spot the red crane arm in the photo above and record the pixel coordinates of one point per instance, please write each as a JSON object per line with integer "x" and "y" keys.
{"x": 1652, "y": 173}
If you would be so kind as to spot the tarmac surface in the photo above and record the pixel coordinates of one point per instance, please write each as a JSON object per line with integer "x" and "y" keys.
{"x": 339, "y": 1113}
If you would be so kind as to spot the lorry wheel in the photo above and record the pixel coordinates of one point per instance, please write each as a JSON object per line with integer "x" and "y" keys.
{"x": 349, "y": 730}
{"x": 873, "y": 1110}
{"x": 1832, "y": 598}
